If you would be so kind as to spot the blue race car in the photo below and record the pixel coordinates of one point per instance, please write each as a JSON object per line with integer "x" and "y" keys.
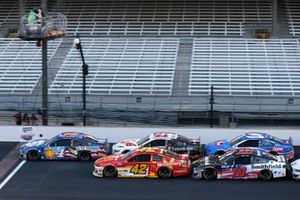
{"x": 65, "y": 146}
{"x": 264, "y": 141}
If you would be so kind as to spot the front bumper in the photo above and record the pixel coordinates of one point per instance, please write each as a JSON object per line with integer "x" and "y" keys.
{"x": 98, "y": 171}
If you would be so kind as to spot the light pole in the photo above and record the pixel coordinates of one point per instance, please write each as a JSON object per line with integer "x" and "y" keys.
{"x": 211, "y": 102}
{"x": 85, "y": 71}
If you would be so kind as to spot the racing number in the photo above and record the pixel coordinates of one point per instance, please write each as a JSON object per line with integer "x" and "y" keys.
{"x": 139, "y": 169}
{"x": 239, "y": 172}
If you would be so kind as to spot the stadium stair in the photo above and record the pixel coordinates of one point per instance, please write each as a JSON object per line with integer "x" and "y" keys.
{"x": 182, "y": 69}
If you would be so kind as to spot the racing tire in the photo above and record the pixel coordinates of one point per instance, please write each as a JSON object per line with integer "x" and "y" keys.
{"x": 33, "y": 155}
{"x": 110, "y": 172}
{"x": 265, "y": 175}
{"x": 84, "y": 156}
{"x": 219, "y": 153}
{"x": 209, "y": 174}
{"x": 274, "y": 153}
{"x": 165, "y": 173}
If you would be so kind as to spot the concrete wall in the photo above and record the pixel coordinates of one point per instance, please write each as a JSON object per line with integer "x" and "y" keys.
{"x": 13, "y": 133}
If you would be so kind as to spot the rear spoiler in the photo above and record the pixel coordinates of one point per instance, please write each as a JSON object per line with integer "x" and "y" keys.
{"x": 200, "y": 146}
{"x": 288, "y": 141}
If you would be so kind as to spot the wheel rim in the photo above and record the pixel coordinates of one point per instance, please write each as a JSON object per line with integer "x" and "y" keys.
{"x": 165, "y": 173}
{"x": 209, "y": 174}
{"x": 266, "y": 175}
{"x": 33, "y": 155}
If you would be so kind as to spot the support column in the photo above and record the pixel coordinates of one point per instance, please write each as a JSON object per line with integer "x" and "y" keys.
{"x": 275, "y": 18}
{"x": 44, "y": 72}
{"x": 21, "y": 9}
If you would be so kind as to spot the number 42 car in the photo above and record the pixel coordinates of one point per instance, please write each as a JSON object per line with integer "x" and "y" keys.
{"x": 242, "y": 163}
{"x": 143, "y": 162}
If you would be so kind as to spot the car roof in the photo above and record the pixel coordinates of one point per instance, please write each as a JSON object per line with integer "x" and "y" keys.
{"x": 163, "y": 135}
{"x": 153, "y": 150}
{"x": 70, "y": 135}
{"x": 260, "y": 136}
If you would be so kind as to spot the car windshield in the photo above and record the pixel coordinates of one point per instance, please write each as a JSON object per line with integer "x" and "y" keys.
{"x": 225, "y": 156}
{"x": 90, "y": 138}
{"x": 143, "y": 141}
{"x": 49, "y": 141}
{"x": 126, "y": 155}
{"x": 235, "y": 140}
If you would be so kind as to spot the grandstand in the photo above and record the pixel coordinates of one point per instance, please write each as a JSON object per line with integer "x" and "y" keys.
{"x": 154, "y": 62}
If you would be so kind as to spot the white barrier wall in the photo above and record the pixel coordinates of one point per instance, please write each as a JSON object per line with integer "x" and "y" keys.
{"x": 13, "y": 133}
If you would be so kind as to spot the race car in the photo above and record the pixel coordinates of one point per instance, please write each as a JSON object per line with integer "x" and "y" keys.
{"x": 241, "y": 163}
{"x": 65, "y": 146}
{"x": 264, "y": 141}
{"x": 167, "y": 140}
{"x": 144, "y": 162}
{"x": 296, "y": 169}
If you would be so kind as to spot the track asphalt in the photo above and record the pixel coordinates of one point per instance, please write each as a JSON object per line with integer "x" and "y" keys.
{"x": 43, "y": 180}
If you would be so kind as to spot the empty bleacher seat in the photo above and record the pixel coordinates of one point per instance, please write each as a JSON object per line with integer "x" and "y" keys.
{"x": 21, "y": 65}
{"x": 120, "y": 66}
{"x": 245, "y": 67}
{"x": 292, "y": 8}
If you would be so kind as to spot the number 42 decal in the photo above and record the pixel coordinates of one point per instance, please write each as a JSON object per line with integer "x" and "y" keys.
{"x": 139, "y": 169}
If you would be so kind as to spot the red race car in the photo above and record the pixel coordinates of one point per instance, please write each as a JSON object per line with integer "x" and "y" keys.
{"x": 144, "y": 162}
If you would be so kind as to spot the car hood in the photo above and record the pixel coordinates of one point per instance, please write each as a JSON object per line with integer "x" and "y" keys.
{"x": 34, "y": 143}
{"x": 112, "y": 159}
{"x": 127, "y": 143}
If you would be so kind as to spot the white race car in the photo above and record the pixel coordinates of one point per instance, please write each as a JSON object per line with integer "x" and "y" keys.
{"x": 296, "y": 169}
{"x": 167, "y": 140}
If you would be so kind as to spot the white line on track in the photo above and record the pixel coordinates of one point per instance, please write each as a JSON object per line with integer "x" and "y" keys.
{"x": 12, "y": 174}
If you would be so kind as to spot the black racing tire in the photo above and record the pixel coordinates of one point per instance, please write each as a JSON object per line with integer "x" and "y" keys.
{"x": 165, "y": 173}
{"x": 33, "y": 155}
{"x": 265, "y": 175}
{"x": 209, "y": 173}
{"x": 84, "y": 155}
{"x": 110, "y": 172}
{"x": 219, "y": 153}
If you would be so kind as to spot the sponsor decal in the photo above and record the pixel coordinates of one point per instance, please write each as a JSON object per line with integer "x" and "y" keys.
{"x": 245, "y": 151}
{"x": 219, "y": 143}
{"x": 183, "y": 163}
{"x": 169, "y": 164}
{"x": 27, "y": 133}
{"x": 255, "y": 135}
{"x": 277, "y": 149}
{"x": 128, "y": 143}
{"x": 182, "y": 148}
{"x": 139, "y": 169}
{"x": 69, "y": 134}
{"x": 49, "y": 154}
{"x": 267, "y": 166}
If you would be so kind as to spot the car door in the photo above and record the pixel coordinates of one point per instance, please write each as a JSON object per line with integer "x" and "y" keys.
{"x": 138, "y": 166}
{"x": 267, "y": 145}
{"x": 60, "y": 148}
{"x": 241, "y": 165}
